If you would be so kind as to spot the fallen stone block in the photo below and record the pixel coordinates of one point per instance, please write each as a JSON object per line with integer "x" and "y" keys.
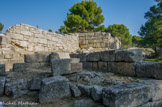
{"x": 132, "y": 55}
{"x": 2, "y": 68}
{"x": 149, "y": 69}
{"x": 85, "y": 89}
{"x": 2, "y": 85}
{"x": 63, "y": 66}
{"x": 12, "y": 87}
{"x": 84, "y": 103}
{"x": 126, "y": 95}
{"x": 74, "y": 90}
{"x": 54, "y": 88}
{"x": 37, "y": 57}
{"x": 97, "y": 93}
{"x": 108, "y": 56}
{"x": 122, "y": 68}
{"x": 35, "y": 84}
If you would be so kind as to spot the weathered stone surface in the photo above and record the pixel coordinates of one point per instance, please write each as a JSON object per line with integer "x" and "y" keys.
{"x": 14, "y": 87}
{"x": 84, "y": 103}
{"x": 22, "y": 67}
{"x": 2, "y": 85}
{"x": 82, "y": 56}
{"x": 63, "y": 66}
{"x": 108, "y": 56}
{"x": 73, "y": 55}
{"x": 54, "y": 88}
{"x": 64, "y": 55}
{"x": 54, "y": 56}
{"x": 132, "y": 55}
{"x": 2, "y": 68}
{"x": 126, "y": 95}
{"x": 35, "y": 84}
{"x": 103, "y": 66}
{"x": 74, "y": 90}
{"x": 95, "y": 66}
{"x": 156, "y": 89}
{"x": 1, "y": 104}
{"x": 149, "y": 69}
{"x": 19, "y": 93}
{"x": 85, "y": 89}
{"x": 37, "y": 57}
{"x": 87, "y": 65}
{"x": 97, "y": 93}
{"x": 153, "y": 104}
{"x": 4, "y": 39}
{"x": 76, "y": 67}
{"x": 93, "y": 56}
{"x": 123, "y": 68}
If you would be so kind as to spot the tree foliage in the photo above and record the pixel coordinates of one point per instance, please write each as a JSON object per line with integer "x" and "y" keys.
{"x": 151, "y": 31}
{"x": 120, "y": 30}
{"x": 1, "y": 27}
{"x": 84, "y": 16}
{"x": 50, "y": 30}
{"x": 137, "y": 41}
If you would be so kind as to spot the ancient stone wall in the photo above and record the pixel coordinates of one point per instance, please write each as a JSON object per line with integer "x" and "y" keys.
{"x": 33, "y": 39}
{"x": 99, "y": 41}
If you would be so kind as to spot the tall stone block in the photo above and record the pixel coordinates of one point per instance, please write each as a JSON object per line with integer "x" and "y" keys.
{"x": 2, "y": 68}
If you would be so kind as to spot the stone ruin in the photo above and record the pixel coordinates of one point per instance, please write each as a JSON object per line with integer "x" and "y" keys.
{"x": 39, "y": 68}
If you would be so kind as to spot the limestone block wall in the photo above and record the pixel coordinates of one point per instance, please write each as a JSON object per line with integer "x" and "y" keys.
{"x": 33, "y": 39}
{"x": 99, "y": 41}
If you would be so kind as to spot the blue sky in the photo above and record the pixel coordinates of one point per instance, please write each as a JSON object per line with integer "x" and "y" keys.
{"x": 50, "y": 14}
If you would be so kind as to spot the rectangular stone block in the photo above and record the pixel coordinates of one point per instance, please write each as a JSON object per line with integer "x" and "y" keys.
{"x": 54, "y": 89}
{"x": 87, "y": 65}
{"x": 132, "y": 55}
{"x": 76, "y": 67}
{"x": 82, "y": 56}
{"x": 4, "y": 39}
{"x": 122, "y": 68}
{"x": 37, "y": 57}
{"x": 149, "y": 69}
{"x": 2, "y": 85}
{"x": 126, "y": 95}
{"x": 95, "y": 66}
{"x": 93, "y": 56}
{"x": 8, "y": 56}
{"x": 103, "y": 66}
{"x": 108, "y": 56}
{"x": 23, "y": 67}
{"x": 63, "y": 66}
{"x": 2, "y": 68}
